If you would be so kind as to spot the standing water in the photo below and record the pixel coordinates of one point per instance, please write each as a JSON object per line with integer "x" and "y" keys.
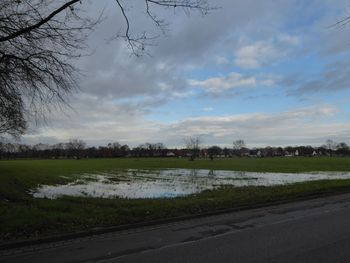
{"x": 168, "y": 183}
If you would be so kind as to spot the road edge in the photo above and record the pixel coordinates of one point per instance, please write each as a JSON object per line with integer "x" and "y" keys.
{"x": 103, "y": 230}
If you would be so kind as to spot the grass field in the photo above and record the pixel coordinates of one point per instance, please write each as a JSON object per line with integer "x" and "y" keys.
{"x": 22, "y": 216}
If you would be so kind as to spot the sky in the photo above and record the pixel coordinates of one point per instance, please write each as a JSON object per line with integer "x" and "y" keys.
{"x": 272, "y": 72}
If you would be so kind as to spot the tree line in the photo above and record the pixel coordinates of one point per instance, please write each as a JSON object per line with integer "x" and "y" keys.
{"x": 77, "y": 149}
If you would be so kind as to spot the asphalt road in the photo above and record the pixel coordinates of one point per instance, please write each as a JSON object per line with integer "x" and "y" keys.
{"x": 309, "y": 231}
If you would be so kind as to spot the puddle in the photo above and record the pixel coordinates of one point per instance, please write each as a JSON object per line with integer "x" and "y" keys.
{"x": 169, "y": 183}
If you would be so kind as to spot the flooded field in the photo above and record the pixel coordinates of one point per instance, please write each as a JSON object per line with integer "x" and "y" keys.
{"x": 169, "y": 183}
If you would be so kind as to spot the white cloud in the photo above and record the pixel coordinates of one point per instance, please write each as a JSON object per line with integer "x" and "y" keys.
{"x": 260, "y": 53}
{"x": 219, "y": 84}
{"x": 234, "y": 81}
{"x": 298, "y": 126}
{"x": 208, "y": 109}
{"x": 255, "y": 55}
{"x": 289, "y": 40}
{"x": 220, "y": 60}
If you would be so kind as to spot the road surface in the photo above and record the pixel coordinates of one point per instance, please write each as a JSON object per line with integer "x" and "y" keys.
{"x": 307, "y": 231}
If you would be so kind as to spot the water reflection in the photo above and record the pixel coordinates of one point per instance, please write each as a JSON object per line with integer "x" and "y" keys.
{"x": 170, "y": 183}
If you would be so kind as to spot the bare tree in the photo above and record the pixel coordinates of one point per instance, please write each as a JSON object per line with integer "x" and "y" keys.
{"x": 76, "y": 146}
{"x": 331, "y": 146}
{"x": 39, "y": 39}
{"x": 343, "y": 145}
{"x": 193, "y": 145}
{"x": 341, "y": 22}
{"x": 238, "y": 144}
{"x": 214, "y": 151}
{"x": 11, "y": 116}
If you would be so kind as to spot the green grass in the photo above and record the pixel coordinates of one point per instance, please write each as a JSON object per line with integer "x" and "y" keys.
{"x": 22, "y": 216}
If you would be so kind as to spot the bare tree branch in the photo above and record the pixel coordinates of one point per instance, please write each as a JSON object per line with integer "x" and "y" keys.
{"x": 39, "y": 40}
{"x": 40, "y": 23}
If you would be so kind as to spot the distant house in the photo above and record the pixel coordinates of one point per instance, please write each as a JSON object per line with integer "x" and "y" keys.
{"x": 244, "y": 152}
{"x": 287, "y": 154}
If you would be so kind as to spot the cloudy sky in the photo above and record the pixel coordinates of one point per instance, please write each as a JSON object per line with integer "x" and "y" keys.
{"x": 271, "y": 72}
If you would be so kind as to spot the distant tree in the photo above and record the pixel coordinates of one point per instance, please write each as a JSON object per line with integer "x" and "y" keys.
{"x": 227, "y": 152}
{"x": 279, "y": 151}
{"x": 76, "y": 146}
{"x": 160, "y": 146}
{"x": 193, "y": 145}
{"x": 214, "y": 151}
{"x": 305, "y": 150}
{"x": 267, "y": 151}
{"x": 331, "y": 146}
{"x": 41, "y": 147}
{"x": 238, "y": 145}
{"x": 114, "y": 149}
{"x": 114, "y": 145}
{"x": 343, "y": 145}
{"x": 9, "y": 149}
{"x": 160, "y": 149}
{"x": 150, "y": 149}
{"x": 343, "y": 149}
{"x": 58, "y": 150}
{"x": 1, "y": 149}
{"x": 124, "y": 150}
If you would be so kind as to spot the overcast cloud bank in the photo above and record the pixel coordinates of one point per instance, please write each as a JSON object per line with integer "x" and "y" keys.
{"x": 275, "y": 74}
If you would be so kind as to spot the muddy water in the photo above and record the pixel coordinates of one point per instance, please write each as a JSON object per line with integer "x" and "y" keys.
{"x": 168, "y": 183}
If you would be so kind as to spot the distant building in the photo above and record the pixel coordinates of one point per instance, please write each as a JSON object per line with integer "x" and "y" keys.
{"x": 287, "y": 154}
{"x": 170, "y": 154}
